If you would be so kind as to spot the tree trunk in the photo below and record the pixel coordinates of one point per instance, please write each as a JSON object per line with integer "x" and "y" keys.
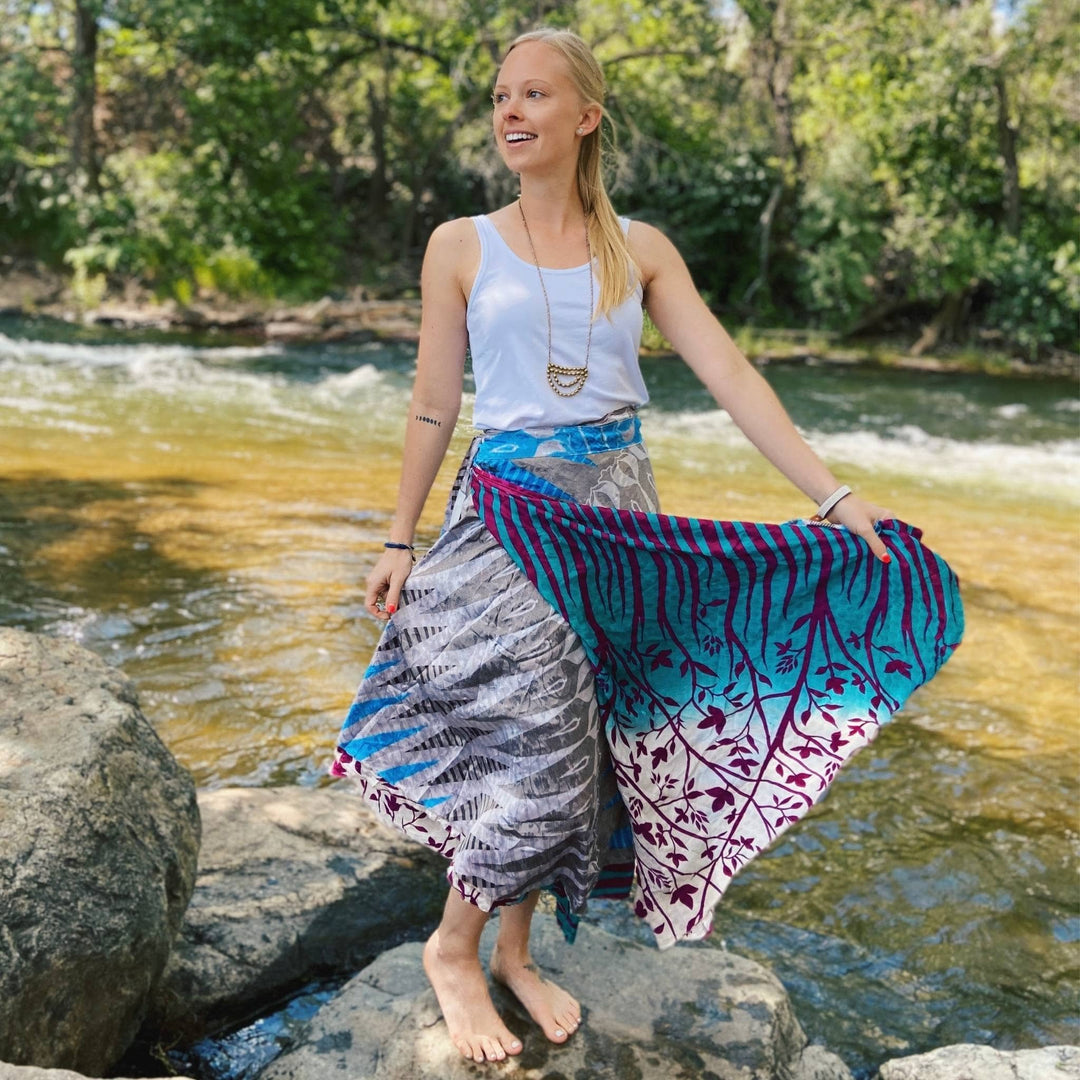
{"x": 84, "y": 156}
{"x": 377, "y": 191}
{"x": 1007, "y": 145}
{"x": 946, "y": 324}
{"x": 781, "y": 76}
{"x": 766, "y": 219}
{"x": 778, "y": 51}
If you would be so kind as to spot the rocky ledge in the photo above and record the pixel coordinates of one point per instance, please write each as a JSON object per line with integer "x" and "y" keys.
{"x": 673, "y": 1015}
{"x": 293, "y": 883}
{"x": 136, "y": 908}
{"x": 355, "y": 315}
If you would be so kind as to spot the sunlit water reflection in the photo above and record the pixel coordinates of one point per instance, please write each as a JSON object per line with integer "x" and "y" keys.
{"x": 204, "y": 517}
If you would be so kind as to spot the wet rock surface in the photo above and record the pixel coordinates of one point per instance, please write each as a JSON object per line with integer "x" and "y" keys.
{"x": 99, "y": 832}
{"x": 32, "y": 1072}
{"x": 969, "y": 1061}
{"x": 292, "y": 883}
{"x": 673, "y": 1015}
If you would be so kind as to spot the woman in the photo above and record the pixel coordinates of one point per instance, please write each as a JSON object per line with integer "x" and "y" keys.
{"x": 533, "y": 754}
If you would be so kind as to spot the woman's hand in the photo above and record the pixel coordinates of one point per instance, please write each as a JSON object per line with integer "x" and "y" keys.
{"x": 859, "y": 517}
{"x": 385, "y": 582}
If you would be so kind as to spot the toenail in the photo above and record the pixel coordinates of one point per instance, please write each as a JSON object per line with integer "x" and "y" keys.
{"x": 559, "y": 1031}
{"x": 515, "y": 1044}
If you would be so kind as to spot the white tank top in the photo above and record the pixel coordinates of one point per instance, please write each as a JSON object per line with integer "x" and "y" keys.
{"x": 508, "y": 341}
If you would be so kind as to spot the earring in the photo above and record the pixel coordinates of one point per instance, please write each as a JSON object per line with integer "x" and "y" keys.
{"x": 581, "y": 131}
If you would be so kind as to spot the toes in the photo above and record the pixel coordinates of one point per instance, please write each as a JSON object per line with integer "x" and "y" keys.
{"x": 492, "y": 1050}
{"x": 568, "y": 1015}
{"x": 488, "y": 1048}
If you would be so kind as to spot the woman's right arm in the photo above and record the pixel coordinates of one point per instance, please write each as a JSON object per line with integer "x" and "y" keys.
{"x": 436, "y": 401}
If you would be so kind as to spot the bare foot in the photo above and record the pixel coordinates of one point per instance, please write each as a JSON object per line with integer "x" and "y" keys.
{"x": 475, "y": 1027}
{"x": 556, "y": 1011}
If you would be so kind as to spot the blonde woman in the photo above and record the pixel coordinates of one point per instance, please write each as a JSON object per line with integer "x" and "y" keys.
{"x": 572, "y": 691}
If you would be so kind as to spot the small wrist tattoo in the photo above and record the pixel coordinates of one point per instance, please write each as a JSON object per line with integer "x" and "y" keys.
{"x": 429, "y": 420}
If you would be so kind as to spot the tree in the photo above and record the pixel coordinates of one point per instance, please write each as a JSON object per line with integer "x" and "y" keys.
{"x": 900, "y": 164}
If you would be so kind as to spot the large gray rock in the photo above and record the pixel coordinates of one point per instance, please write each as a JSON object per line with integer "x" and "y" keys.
{"x": 969, "y": 1061}
{"x": 99, "y": 832}
{"x": 32, "y": 1072}
{"x": 293, "y": 883}
{"x": 682, "y": 1014}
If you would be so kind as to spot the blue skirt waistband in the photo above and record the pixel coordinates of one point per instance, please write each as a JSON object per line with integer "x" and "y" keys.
{"x": 575, "y": 442}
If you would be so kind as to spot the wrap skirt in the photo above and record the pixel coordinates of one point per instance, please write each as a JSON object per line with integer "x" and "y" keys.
{"x": 581, "y": 694}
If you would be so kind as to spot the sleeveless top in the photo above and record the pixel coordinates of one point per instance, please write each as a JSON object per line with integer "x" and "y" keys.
{"x": 507, "y": 326}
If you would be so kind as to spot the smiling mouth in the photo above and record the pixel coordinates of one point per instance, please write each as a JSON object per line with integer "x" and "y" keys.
{"x": 514, "y": 138}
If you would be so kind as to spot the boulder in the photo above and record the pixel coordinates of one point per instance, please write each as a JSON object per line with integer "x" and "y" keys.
{"x": 99, "y": 833}
{"x": 970, "y": 1061}
{"x": 681, "y": 1014}
{"x": 32, "y": 1072}
{"x": 293, "y": 883}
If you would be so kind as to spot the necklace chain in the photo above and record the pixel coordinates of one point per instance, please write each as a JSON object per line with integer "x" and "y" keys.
{"x": 565, "y": 381}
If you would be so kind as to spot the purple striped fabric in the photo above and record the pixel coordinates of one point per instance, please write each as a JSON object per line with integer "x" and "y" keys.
{"x": 738, "y": 666}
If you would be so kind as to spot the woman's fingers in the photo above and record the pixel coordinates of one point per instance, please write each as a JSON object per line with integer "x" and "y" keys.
{"x": 385, "y": 582}
{"x": 859, "y": 517}
{"x": 393, "y": 593}
{"x": 376, "y": 588}
{"x": 877, "y": 545}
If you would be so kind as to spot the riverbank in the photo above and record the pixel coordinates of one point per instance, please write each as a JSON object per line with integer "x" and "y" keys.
{"x": 358, "y": 315}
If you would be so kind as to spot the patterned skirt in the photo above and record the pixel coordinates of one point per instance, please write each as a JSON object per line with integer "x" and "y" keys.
{"x": 581, "y": 694}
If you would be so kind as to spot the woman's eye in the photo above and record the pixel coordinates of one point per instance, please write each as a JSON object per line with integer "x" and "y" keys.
{"x": 496, "y": 98}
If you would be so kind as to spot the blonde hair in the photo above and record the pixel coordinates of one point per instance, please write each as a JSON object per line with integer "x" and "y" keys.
{"x": 618, "y": 272}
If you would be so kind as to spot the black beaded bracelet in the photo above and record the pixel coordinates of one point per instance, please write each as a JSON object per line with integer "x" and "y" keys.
{"x": 401, "y": 547}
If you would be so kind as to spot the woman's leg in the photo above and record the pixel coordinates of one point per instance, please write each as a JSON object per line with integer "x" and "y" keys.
{"x": 511, "y": 964}
{"x": 452, "y": 963}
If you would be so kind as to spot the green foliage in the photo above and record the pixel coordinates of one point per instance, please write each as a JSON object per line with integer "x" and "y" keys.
{"x": 35, "y": 205}
{"x": 840, "y": 235}
{"x": 905, "y": 193}
{"x": 148, "y": 221}
{"x": 1035, "y": 301}
{"x": 708, "y": 208}
{"x": 819, "y": 163}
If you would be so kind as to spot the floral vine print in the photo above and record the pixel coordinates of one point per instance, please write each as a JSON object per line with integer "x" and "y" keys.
{"x": 737, "y": 666}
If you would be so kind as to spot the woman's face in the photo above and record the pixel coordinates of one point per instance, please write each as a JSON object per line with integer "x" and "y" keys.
{"x": 537, "y": 109}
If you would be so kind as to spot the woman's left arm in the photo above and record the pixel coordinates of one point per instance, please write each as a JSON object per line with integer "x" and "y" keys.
{"x": 674, "y": 305}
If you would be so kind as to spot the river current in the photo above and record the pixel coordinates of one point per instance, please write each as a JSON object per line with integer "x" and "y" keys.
{"x": 204, "y": 515}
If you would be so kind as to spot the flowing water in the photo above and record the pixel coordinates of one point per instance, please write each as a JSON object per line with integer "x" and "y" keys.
{"x": 204, "y": 516}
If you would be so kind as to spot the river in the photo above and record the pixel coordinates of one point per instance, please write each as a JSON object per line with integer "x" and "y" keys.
{"x": 204, "y": 515}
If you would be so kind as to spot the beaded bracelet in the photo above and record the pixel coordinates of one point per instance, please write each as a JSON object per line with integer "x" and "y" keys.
{"x": 401, "y": 547}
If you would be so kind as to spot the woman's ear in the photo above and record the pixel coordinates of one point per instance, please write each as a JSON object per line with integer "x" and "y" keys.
{"x": 589, "y": 119}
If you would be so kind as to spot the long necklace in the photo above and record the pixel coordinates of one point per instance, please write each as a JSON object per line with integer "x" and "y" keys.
{"x": 565, "y": 381}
